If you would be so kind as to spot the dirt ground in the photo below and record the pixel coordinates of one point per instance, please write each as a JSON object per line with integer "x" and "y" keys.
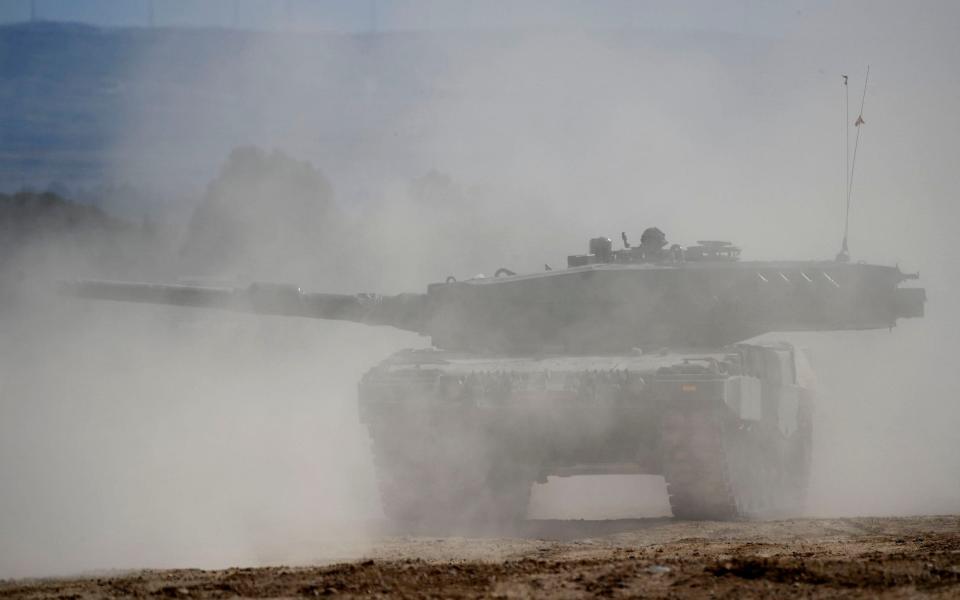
{"x": 860, "y": 557}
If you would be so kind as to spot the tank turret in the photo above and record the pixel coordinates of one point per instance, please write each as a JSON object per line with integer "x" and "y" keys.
{"x": 608, "y": 301}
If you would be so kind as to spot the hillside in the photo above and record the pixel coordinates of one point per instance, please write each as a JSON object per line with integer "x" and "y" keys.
{"x": 89, "y": 106}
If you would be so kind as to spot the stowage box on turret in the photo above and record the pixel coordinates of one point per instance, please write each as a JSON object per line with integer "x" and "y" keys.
{"x": 628, "y": 361}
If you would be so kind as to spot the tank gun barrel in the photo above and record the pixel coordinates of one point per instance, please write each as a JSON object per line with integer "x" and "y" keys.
{"x": 403, "y": 311}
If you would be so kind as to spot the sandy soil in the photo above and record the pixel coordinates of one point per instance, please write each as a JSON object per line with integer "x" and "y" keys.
{"x": 861, "y": 557}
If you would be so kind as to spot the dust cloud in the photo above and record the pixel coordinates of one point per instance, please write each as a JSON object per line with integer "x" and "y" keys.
{"x": 136, "y": 436}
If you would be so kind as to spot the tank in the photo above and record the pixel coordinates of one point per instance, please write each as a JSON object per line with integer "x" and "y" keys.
{"x": 629, "y": 361}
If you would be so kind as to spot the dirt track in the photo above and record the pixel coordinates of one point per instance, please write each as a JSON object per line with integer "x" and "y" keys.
{"x": 866, "y": 557}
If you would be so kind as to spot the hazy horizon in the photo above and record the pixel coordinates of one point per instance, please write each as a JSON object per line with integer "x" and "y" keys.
{"x": 745, "y": 16}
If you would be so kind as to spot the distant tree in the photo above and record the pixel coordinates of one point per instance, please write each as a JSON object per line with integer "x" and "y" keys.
{"x": 435, "y": 189}
{"x": 28, "y": 215}
{"x": 266, "y": 215}
{"x": 40, "y": 230}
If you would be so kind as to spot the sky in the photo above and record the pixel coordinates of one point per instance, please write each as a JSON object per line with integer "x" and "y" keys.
{"x": 741, "y": 16}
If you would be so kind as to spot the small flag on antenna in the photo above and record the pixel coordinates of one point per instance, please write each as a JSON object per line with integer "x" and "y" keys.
{"x": 859, "y": 121}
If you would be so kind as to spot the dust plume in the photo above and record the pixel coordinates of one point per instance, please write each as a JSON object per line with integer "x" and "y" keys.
{"x": 137, "y": 436}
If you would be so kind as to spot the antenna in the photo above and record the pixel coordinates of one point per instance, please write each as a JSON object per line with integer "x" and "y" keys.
{"x": 150, "y": 14}
{"x": 844, "y": 254}
{"x": 236, "y": 14}
{"x": 33, "y": 11}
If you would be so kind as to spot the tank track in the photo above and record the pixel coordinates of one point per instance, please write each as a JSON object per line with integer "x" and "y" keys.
{"x": 720, "y": 468}
{"x": 695, "y": 466}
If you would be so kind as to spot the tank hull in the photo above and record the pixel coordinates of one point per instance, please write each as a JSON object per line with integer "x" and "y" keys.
{"x": 461, "y": 438}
